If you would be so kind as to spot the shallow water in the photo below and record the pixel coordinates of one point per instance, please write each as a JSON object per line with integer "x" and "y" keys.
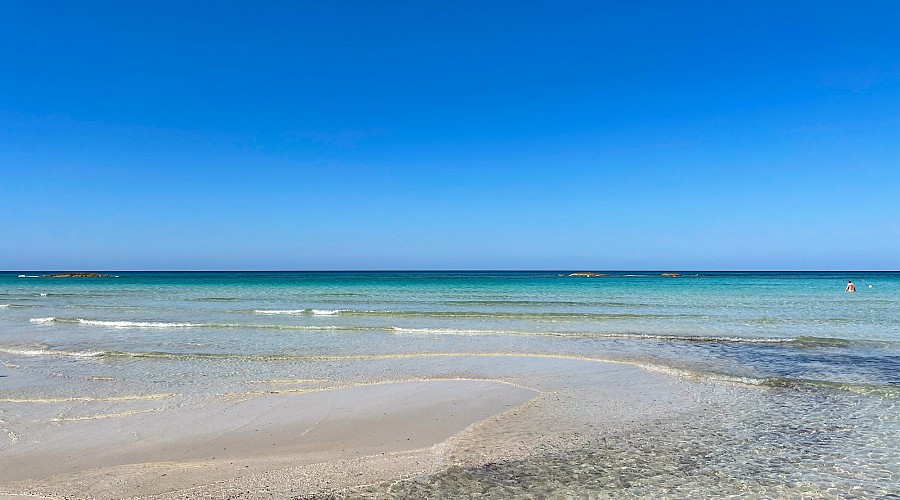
{"x": 804, "y": 377}
{"x": 770, "y": 444}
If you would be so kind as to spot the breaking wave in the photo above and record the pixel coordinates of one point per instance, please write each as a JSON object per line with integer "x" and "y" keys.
{"x": 800, "y": 341}
{"x": 280, "y": 311}
{"x": 473, "y": 314}
{"x": 51, "y": 352}
{"x": 136, "y": 324}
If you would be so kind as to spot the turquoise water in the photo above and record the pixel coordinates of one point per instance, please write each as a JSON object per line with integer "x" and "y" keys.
{"x": 790, "y": 326}
{"x": 817, "y": 353}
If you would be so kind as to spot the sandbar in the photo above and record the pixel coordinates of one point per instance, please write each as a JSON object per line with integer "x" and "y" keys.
{"x": 162, "y": 453}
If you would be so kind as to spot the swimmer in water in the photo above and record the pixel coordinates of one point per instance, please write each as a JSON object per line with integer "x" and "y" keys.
{"x": 851, "y": 287}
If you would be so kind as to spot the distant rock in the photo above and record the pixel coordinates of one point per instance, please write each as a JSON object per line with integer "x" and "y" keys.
{"x": 76, "y": 275}
{"x": 588, "y": 275}
{"x": 671, "y": 275}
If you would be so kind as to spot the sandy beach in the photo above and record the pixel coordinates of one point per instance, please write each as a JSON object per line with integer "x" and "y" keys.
{"x": 288, "y": 441}
{"x": 405, "y": 386}
{"x": 147, "y": 453}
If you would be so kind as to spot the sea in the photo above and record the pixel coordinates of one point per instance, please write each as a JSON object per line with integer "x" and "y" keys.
{"x": 802, "y": 377}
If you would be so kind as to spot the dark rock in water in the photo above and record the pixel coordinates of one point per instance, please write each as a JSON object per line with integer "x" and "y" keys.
{"x": 76, "y": 275}
{"x": 588, "y": 275}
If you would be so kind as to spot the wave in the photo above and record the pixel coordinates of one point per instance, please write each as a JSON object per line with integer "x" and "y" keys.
{"x": 802, "y": 341}
{"x": 809, "y": 341}
{"x": 136, "y": 324}
{"x": 629, "y": 336}
{"x": 883, "y": 390}
{"x": 67, "y": 399}
{"x": 215, "y": 299}
{"x": 828, "y": 341}
{"x": 475, "y": 314}
{"x": 51, "y": 352}
{"x": 3, "y": 306}
{"x": 326, "y": 312}
{"x": 31, "y": 295}
{"x": 105, "y": 415}
{"x": 117, "y": 324}
{"x": 167, "y": 324}
{"x": 514, "y": 315}
{"x": 92, "y": 295}
{"x": 279, "y": 311}
{"x": 157, "y": 354}
{"x": 538, "y": 303}
{"x": 693, "y": 338}
{"x": 891, "y": 391}
{"x": 108, "y": 307}
{"x": 295, "y": 312}
{"x": 454, "y": 331}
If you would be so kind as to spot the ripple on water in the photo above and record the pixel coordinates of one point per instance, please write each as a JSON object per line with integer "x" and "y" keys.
{"x": 768, "y": 449}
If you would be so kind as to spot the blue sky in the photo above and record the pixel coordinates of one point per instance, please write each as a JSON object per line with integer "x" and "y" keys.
{"x": 452, "y": 135}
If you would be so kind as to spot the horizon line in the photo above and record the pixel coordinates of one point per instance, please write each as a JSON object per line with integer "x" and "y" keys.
{"x": 664, "y": 270}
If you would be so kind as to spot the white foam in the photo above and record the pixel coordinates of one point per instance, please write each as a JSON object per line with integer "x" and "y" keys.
{"x": 26, "y": 352}
{"x": 135, "y": 324}
{"x": 685, "y": 373}
{"x": 327, "y": 312}
{"x": 701, "y": 338}
{"x": 47, "y": 352}
{"x": 43, "y": 294}
{"x": 24, "y": 276}
{"x": 447, "y": 331}
{"x": 282, "y": 311}
{"x": 3, "y": 305}
{"x": 50, "y": 319}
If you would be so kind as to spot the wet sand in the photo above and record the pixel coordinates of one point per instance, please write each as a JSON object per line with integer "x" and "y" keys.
{"x": 158, "y": 453}
{"x": 519, "y": 424}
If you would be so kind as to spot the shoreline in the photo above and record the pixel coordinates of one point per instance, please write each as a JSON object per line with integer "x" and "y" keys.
{"x": 502, "y": 426}
{"x": 335, "y": 440}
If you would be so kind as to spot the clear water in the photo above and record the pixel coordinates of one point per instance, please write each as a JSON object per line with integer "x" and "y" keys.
{"x": 791, "y": 347}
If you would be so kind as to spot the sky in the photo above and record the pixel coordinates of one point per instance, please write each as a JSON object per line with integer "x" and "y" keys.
{"x": 339, "y": 135}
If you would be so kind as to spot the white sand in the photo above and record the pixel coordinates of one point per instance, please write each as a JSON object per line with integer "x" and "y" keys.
{"x": 287, "y": 444}
{"x": 155, "y": 453}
